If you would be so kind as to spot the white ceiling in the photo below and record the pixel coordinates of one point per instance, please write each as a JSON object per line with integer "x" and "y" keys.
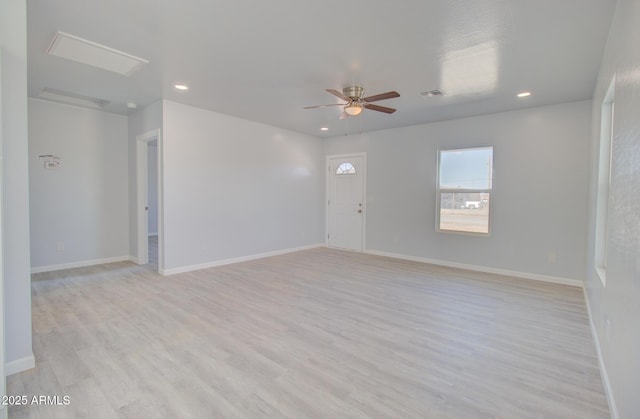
{"x": 266, "y": 60}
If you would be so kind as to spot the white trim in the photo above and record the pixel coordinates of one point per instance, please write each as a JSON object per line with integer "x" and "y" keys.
{"x": 49, "y": 268}
{"x": 603, "y": 184}
{"x": 142, "y": 141}
{"x": 602, "y": 274}
{"x": 478, "y": 268}
{"x": 247, "y": 258}
{"x": 141, "y": 192}
{"x": 613, "y": 409}
{"x": 327, "y": 194}
{"x": 20, "y": 365}
{"x": 160, "y": 179}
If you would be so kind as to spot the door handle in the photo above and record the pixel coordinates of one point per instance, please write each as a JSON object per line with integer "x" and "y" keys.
{"x": 359, "y": 211}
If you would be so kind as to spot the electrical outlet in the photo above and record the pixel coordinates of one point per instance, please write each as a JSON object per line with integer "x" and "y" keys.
{"x": 60, "y": 247}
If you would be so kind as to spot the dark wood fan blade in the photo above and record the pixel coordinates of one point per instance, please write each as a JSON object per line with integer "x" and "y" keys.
{"x": 382, "y": 96}
{"x": 324, "y": 106}
{"x": 379, "y": 108}
{"x": 339, "y": 94}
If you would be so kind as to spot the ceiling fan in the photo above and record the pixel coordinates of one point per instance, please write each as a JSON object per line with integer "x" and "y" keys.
{"x": 356, "y": 103}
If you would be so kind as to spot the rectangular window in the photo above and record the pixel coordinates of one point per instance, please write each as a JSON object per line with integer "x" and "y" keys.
{"x": 465, "y": 181}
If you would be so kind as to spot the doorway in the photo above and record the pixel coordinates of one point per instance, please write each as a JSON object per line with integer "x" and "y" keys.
{"x": 346, "y": 201}
{"x": 149, "y": 200}
{"x": 152, "y": 203}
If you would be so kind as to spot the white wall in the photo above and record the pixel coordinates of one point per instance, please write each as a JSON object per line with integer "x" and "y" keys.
{"x": 79, "y": 211}
{"x": 145, "y": 120}
{"x": 538, "y": 203}
{"x": 3, "y": 391}
{"x": 152, "y": 195}
{"x": 235, "y": 188}
{"x": 618, "y": 304}
{"x": 15, "y": 187}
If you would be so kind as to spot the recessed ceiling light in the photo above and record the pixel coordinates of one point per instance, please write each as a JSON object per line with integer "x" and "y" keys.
{"x": 131, "y": 105}
{"x": 524, "y": 94}
{"x": 181, "y": 86}
{"x": 324, "y": 129}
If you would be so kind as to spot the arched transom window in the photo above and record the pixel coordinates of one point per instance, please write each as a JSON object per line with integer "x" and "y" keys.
{"x": 346, "y": 168}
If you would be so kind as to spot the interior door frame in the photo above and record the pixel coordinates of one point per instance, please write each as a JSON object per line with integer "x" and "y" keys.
{"x": 327, "y": 220}
{"x": 142, "y": 164}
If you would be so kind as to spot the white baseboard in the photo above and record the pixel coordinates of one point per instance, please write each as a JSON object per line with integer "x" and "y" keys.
{"x": 497, "y": 271}
{"x": 39, "y": 269}
{"x": 206, "y": 265}
{"x": 603, "y": 369}
{"x": 133, "y": 259}
{"x": 20, "y": 365}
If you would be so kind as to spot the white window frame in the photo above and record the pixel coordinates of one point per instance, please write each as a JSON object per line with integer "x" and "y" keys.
{"x": 607, "y": 117}
{"x": 440, "y": 191}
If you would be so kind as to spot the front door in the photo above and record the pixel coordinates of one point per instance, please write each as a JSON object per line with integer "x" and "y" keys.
{"x": 346, "y": 202}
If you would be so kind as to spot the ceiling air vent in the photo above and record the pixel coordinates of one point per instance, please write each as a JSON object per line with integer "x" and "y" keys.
{"x": 433, "y": 93}
{"x": 93, "y": 54}
{"x": 73, "y": 98}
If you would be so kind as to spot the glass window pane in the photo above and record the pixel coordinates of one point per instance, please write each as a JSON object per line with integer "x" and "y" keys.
{"x": 346, "y": 168}
{"x": 468, "y": 212}
{"x": 469, "y": 168}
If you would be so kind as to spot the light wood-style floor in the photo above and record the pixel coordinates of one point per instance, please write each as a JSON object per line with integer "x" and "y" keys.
{"x": 314, "y": 334}
{"x": 153, "y": 253}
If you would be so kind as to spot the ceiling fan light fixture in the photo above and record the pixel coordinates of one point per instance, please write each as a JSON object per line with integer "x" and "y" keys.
{"x": 356, "y": 103}
{"x": 353, "y": 109}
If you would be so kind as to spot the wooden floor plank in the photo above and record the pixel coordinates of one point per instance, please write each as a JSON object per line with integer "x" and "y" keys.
{"x": 319, "y": 333}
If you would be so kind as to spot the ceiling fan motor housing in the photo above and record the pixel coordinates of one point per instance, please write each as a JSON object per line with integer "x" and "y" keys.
{"x": 353, "y": 92}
